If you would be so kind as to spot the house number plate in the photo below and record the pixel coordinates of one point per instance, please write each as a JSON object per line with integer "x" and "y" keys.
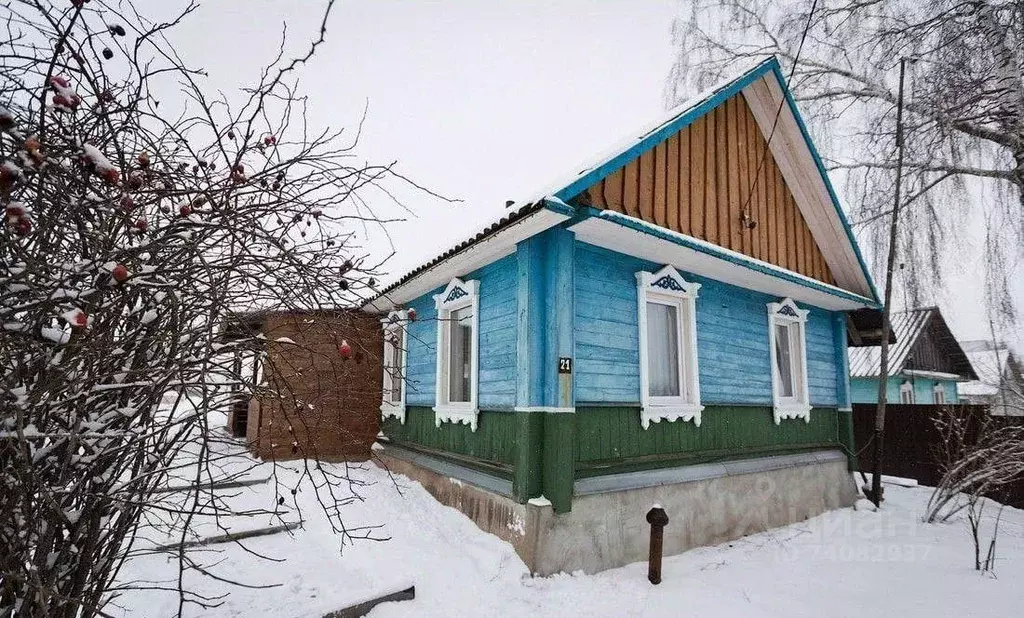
{"x": 564, "y": 365}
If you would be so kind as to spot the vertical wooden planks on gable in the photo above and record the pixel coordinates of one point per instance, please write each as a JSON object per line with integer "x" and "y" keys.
{"x": 744, "y": 176}
{"x": 631, "y": 189}
{"x": 673, "y": 205}
{"x": 723, "y": 176}
{"x": 712, "y": 179}
{"x": 647, "y": 186}
{"x": 660, "y": 183}
{"x": 716, "y": 173}
{"x": 683, "y": 174}
{"x": 698, "y": 177}
{"x": 613, "y": 190}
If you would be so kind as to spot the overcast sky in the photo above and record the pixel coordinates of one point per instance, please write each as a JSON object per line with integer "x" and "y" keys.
{"x": 480, "y": 101}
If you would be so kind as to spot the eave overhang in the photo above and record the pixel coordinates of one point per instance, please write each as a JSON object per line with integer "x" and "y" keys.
{"x": 477, "y": 253}
{"x": 624, "y": 234}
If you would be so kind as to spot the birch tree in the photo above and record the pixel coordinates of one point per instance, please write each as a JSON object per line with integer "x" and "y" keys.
{"x": 964, "y": 110}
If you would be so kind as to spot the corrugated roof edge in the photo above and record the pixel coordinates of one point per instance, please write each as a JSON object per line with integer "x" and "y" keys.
{"x": 550, "y": 203}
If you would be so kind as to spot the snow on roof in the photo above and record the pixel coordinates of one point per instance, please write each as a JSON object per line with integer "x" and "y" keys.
{"x": 989, "y": 363}
{"x": 907, "y": 326}
{"x": 635, "y": 137}
{"x": 535, "y": 202}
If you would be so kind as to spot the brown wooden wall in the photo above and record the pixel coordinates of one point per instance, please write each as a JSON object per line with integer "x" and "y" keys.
{"x": 700, "y": 181}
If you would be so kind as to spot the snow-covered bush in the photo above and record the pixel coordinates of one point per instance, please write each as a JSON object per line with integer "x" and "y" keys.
{"x": 132, "y": 231}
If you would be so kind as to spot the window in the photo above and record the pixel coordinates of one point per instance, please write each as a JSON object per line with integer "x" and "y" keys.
{"x": 393, "y": 401}
{"x": 787, "y": 341}
{"x": 669, "y": 387}
{"x": 907, "y": 392}
{"x": 458, "y": 309}
{"x": 939, "y": 394}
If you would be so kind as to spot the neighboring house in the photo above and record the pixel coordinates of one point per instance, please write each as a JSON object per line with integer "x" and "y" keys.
{"x": 1000, "y": 381}
{"x": 926, "y": 364}
{"x": 669, "y": 325}
{"x": 312, "y": 397}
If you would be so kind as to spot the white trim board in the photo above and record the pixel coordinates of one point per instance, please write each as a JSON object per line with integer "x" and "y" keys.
{"x": 938, "y": 375}
{"x": 604, "y": 232}
{"x": 765, "y": 98}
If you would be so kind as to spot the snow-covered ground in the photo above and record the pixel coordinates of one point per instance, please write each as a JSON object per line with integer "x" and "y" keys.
{"x": 844, "y": 563}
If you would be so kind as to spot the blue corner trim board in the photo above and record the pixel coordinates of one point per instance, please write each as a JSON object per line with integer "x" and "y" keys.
{"x": 686, "y": 117}
{"x": 729, "y": 256}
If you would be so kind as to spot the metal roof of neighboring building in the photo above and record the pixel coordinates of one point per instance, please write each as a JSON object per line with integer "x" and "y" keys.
{"x": 906, "y": 327}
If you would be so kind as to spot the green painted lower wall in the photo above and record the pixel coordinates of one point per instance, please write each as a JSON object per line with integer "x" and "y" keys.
{"x": 543, "y": 453}
{"x": 493, "y": 443}
{"x": 610, "y": 439}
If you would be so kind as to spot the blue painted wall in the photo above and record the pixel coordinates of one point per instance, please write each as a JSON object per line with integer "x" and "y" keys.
{"x": 732, "y": 337}
{"x": 498, "y": 320}
{"x": 865, "y": 390}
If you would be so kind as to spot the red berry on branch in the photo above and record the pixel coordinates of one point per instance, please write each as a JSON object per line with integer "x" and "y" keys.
{"x": 15, "y": 210}
{"x": 78, "y": 319}
{"x": 185, "y": 210}
{"x": 141, "y": 225}
{"x": 23, "y": 226}
{"x": 57, "y": 80}
{"x": 411, "y": 314}
{"x": 111, "y": 175}
{"x": 120, "y": 273}
{"x": 345, "y": 350}
{"x": 127, "y": 203}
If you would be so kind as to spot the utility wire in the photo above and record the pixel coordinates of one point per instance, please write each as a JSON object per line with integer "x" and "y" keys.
{"x": 778, "y": 112}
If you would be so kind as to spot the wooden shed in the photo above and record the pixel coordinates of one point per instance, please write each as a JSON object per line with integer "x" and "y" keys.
{"x": 317, "y": 377}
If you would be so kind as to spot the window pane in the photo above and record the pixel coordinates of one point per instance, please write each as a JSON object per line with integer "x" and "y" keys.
{"x": 397, "y": 371}
{"x": 662, "y": 350}
{"x": 460, "y": 354}
{"x": 783, "y": 360}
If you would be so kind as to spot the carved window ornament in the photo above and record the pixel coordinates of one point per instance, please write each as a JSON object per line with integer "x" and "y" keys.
{"x": 395, "y": 355}
{"x": 667, "y": 321}
{"x": 939, "y": 394}
{"x": 787, "y": 342}
{"x": 907, "y": 394}
{"x": 458, "y": 353}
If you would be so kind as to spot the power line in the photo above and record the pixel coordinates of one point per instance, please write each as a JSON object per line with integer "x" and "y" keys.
{"x": 778, "y": 112}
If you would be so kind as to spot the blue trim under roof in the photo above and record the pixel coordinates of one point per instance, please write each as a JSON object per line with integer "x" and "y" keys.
{"x": 687, "y": 116}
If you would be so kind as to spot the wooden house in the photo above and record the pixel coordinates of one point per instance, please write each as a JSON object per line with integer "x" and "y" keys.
{"x": 668, "y": 325}
{"x": 926, "y": 363}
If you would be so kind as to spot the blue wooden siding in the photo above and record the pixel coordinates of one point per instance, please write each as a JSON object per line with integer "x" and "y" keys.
{"x": 732, "y": 337}
{"x": 865, "y": 390}
{"x": 498, "y": 322}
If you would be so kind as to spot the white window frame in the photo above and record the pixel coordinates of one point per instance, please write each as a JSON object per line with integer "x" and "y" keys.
{"x": 394, "y": 323}
{"x": 798, "y": 406}
{"x": 668, "y": 287}
{"x": 458, "y": 294}
{"x": 939, "y": 394}
{"x": 907, "y": 388}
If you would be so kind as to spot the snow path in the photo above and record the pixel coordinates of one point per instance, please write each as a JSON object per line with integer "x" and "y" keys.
{"x": 843, "y": 563}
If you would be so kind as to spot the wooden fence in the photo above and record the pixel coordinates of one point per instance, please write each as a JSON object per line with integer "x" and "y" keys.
{"x": 910, "y": 441}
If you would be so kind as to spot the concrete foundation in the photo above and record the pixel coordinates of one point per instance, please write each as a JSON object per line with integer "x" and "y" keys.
{"x": 706, "y": 505}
